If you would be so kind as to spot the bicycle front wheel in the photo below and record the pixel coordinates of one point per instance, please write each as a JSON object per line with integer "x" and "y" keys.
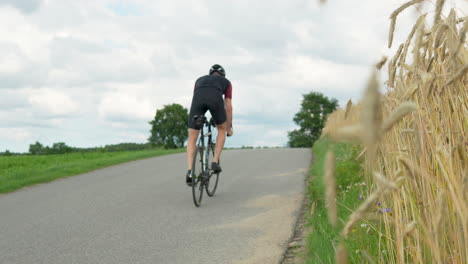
{"x": 197, "y": 176}
{"x": 213, "y": 181}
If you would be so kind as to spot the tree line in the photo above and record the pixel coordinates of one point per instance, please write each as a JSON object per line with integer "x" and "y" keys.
{"x": 38, "y": 148}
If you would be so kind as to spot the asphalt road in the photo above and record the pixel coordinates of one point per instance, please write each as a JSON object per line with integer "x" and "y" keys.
{"x": 142, "y": 212}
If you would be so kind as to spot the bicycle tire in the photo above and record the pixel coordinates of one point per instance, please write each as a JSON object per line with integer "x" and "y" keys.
{"x": 197, "y": 175}
{"x": 212, "y": 183}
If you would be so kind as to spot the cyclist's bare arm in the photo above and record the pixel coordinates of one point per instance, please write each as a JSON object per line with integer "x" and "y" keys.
{"x": 228, "y": 105}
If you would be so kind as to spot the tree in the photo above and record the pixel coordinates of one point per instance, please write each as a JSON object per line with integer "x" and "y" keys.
{"x": 60, "y": 148}
{"x": 36, "y": 148}
{"x": 169, "y": 127}
{"x": 6, "y": 153}
{"x": 311, "y": 118}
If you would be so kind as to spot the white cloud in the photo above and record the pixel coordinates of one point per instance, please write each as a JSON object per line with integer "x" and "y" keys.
{"x": 11, "y": 100}
{"x": 12, "y": 61}
{"x": 124, "y": 107}
{"x": 53, "y": 103}
{"x": 14, "y": 135}
{"x": 17, "y": 69}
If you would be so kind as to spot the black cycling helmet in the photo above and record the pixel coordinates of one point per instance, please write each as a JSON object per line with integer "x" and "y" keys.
{"x": 217, "y": 68}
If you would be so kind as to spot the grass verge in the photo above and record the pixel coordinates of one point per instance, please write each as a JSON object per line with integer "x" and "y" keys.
{"x": 20, "y": 171}
{"x": 351, "y": 190}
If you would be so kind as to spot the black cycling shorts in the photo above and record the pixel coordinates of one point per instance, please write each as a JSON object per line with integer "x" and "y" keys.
{"x": 203, "y": 100}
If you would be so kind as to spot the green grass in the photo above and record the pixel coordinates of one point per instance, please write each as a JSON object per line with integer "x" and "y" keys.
{"x": 323, "y": 238}
{"x": 20, "y": 171}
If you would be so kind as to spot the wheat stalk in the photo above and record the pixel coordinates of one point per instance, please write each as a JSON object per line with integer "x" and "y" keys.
{"x": 417, "y": 44}
{"x": 439, "y": 6}
{"x": 393, "y": 17}
{"x": 371, "y": 115}
{"x": 341, "y": 256}
{"x": 462, "y": 39}
{"x": 463, "y": 155}
{"x": 403, "y": 7}
{"x": 465, "y": 184}
{"x": 349, "y": 104}
{"x": 410, "y": 37}
{"x": 439, "y": 34}
{"x": 459, "y": 75}
{"x": 397, "y": 114}
{"x": 351, "y": 133}
{"x": 417, "y": 135}
{"x": 391, "y": 31}
{"x": 441, "y": 204}
{"x": 383, "y": 182}
{"x": 398, "y": 54}
{"x": 381, "y": 63}
{"x": 410, "y": 228}
{"x": 409, "y": 168}
{"x": 391, "y": 75}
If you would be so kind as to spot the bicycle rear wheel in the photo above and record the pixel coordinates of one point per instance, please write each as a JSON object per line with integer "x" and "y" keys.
{"x": 214, "y": 177}
{"x": 197, "y": 176}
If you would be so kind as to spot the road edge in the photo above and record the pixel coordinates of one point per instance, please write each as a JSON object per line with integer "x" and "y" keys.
{"x": 295, "y": 245}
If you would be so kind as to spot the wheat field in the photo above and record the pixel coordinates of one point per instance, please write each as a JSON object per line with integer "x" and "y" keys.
{"x": 415, "y": 143}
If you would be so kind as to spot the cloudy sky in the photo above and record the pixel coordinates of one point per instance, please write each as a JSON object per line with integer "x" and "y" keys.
{"x": 91, "y": 73}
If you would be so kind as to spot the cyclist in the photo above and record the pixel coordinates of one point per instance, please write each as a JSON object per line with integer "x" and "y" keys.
{"x": 208, "y": 95}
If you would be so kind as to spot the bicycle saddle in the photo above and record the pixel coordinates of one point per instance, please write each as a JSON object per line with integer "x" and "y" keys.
{"x": 200, "y": 120}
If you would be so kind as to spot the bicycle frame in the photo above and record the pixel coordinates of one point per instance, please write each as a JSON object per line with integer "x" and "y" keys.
{"x": 201, "y": 143}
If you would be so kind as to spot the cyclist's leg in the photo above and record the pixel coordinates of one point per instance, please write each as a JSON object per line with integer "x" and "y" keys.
{"x": 198, "y": 107}
{"x": 192, "y": 140}
{"x": 220, "y": 139}
{"x": 218, "y": 112}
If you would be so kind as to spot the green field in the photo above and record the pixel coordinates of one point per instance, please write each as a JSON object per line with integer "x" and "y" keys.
{"x": 351, "y": 190}
{"x": 20, "y": 171}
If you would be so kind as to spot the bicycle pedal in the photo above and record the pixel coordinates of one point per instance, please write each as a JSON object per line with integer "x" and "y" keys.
{"x": 205, "y": 176}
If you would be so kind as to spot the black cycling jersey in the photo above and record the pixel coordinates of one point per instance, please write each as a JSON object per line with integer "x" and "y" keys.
{"x": 216, "y": 82}
{"x": 208, "y": 95}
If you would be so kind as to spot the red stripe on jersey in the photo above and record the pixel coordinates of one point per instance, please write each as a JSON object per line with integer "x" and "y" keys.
{"x": 228, "y": 93}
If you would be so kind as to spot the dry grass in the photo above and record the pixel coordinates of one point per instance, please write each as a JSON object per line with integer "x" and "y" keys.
{"x": 416, "y": 141}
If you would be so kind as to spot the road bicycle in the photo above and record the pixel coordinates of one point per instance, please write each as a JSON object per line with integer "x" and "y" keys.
{"x": 203, "y": 177}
